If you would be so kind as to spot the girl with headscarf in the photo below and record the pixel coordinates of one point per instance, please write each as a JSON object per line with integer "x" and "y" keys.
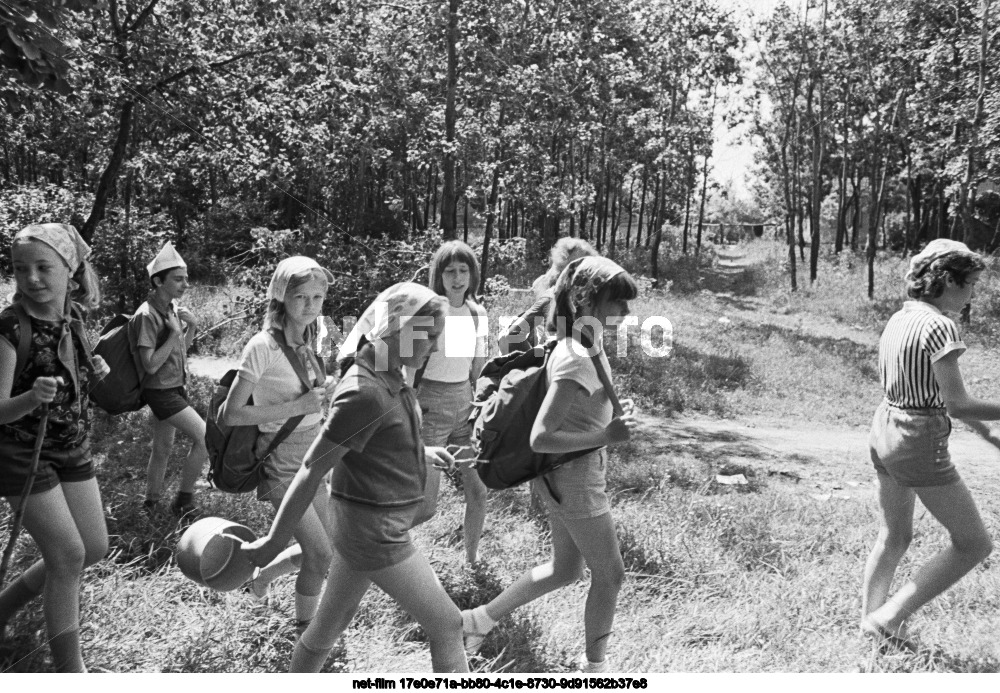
{"x": 275, "y": 384}
{"x": 576, "y": 414}
{"x": 63, "y": 511}
{"x": 526, "y": 329}
{"x": 371, "y": 442}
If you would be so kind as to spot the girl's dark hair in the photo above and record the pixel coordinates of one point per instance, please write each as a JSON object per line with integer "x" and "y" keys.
{"x": 449, "y": 252}
{"x": 562, "y": 314}
{"x": 929, "y": 281}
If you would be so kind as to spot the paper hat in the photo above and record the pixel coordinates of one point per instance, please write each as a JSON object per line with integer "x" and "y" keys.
{"x": 168, "y": 258}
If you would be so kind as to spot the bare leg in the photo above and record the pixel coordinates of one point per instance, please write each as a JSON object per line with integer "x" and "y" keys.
{"x": 954, "y": 508}
{"x": 597, "y": 540}
{"x": 343, "y": 593}
{"x": 188, "y": 422}
{"x": 475, "y": 512}
{"x": 894, "y": 536}
{"x": 163, "y": 442}
{"x": 416, "y": 588}
{"x": 51, "y": 519}
{"x": 565, "y": 568}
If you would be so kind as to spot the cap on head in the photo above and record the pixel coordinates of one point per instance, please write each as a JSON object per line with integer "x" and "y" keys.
{"x": 168, "y": 258}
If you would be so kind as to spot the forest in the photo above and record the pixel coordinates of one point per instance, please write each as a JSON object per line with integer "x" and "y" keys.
{"x": 364, "y": 132}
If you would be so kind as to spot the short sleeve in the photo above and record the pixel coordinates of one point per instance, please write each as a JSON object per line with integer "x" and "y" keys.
{"x": 941, "y": 338}
{"x": 256, "y": 359}
{"x": 565, "y": 364}
{"x": 10, "y": 328}
{"x": 355, "y": 415}
{"x": 147, "y": 329}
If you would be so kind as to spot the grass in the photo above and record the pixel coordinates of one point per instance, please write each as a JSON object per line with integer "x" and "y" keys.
{"x": 761, "y": 577}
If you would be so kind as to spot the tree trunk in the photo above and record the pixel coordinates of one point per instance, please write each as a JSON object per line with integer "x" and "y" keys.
{"x": 642, "y": 206}
{"x": 110, "y": 175}
{"x": 448, "y": 202}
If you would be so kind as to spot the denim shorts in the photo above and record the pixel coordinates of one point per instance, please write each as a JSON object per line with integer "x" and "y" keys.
{"x": 445, "y": 408}
{"x": 166, "y": 403}
{"x": 580, "y": 485}
{"x": 54, "y": 467}
{"x": 911, "y": 446}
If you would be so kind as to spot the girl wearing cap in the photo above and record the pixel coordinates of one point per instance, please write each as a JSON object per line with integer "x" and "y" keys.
{"x": 576, "y": 414}
{"x": 163, "y": 332}
{"x": 63, "y": 512}
{"x": 444, "y": 384}
{"x": 918, "y": 363}
{"x": 276, "y": 383}
{"x": 371, "y": 442}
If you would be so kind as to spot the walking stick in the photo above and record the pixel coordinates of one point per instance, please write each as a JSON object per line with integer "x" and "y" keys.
{"x": 15, "y": 527}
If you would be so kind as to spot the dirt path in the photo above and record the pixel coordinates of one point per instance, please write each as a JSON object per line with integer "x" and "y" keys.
{"x": 828, "y": 463}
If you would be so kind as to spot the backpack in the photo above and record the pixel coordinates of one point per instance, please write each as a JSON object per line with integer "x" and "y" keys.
{"x": 234, "y": 467}
{"x": 509, "y": 394}
{"x": 115, "y": 393}
{"x": 120, "y": 390}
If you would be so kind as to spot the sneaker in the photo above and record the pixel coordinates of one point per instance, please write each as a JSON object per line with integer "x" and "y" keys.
{"x": 185, "y": 513}
{"x": 471, "y": 636}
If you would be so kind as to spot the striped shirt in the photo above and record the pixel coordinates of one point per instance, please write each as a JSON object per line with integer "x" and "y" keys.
{"x": 915, "y": 337}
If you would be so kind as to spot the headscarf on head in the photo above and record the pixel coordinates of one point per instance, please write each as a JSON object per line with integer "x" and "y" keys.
{"x": 289, "y": 268}
{"x": 62, "y": 238}
{"x": 584, "y": 277}
{"x": 400, "y": 301}
{"x": 935, "y": 250}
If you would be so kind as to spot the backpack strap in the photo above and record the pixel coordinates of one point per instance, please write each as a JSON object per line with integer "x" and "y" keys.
{"x": 297, "y": 366}
{"x": 23, "y": 341}
{"x": 609, "y": 389}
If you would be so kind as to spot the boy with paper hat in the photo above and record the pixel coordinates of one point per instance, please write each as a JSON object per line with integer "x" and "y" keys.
{"x": 163, "y": 332}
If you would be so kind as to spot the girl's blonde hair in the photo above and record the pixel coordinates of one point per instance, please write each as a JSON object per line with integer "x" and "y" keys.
{"x": 84, "y": 287}
{"x": 449, "y": 252}
{"x": 563, "y": 252}
{"x": 275, "y": 316}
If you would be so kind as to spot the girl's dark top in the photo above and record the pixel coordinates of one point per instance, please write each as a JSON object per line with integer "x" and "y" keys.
{"x": 68, "y": 423}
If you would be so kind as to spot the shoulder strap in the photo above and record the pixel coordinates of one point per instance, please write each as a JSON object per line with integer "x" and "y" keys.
{"x": 293, "y": 358}
{"x": 609, "y": 389}
{"x": 24, "y": 340}
{"x": 292, "y": 423}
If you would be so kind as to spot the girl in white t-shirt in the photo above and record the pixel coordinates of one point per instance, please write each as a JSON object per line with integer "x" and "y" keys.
{"x": 576, "y": 414}
{"x": 445, "y": 384}
{"x": 296, "y": 293}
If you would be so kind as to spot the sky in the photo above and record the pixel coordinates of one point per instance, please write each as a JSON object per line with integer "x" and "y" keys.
{"x": 732, "y": 156}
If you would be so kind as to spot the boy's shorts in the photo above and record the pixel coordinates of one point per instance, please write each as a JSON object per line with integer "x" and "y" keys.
{"x": 54, "y": 467}
{"x": 911, "y": 446}
{"x": 166, "y": 403}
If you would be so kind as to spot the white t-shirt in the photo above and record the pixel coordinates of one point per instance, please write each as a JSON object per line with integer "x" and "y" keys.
{"x": 462, "y": 341}
{"x": 275, "y": 382}
{"x": 591, "y": 409}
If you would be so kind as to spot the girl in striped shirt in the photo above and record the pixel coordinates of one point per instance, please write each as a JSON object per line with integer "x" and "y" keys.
{"x": 918, "y": 362}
